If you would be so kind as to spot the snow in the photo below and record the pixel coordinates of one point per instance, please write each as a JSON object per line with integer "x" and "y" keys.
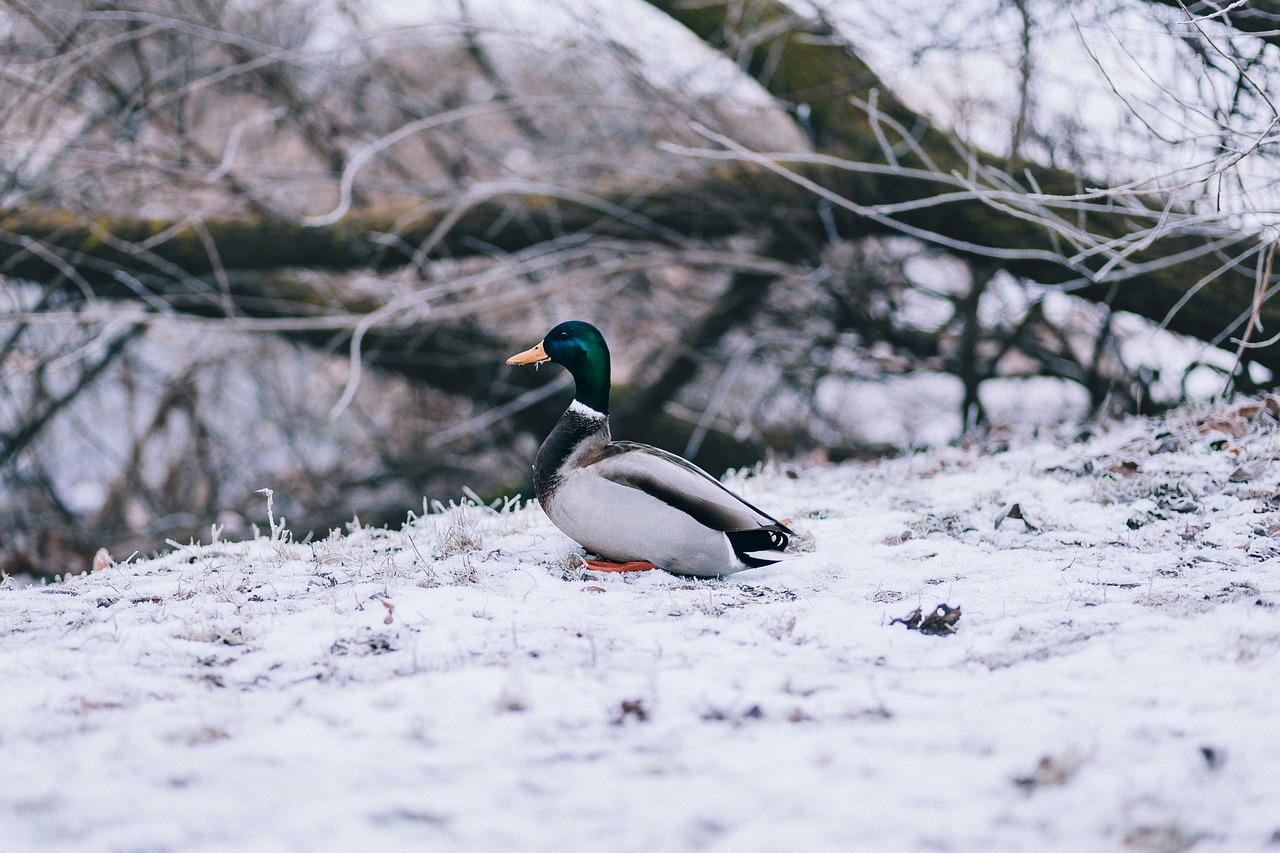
{"x": 461, "y": 684}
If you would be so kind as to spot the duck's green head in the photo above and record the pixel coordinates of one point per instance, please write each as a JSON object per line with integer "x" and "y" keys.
{"x": 580, "y": 348}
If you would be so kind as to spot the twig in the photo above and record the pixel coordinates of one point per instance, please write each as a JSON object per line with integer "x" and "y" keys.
{"x": 10, "y": 445}
{"x": 471, "y": 426}
{"x": 1261, "y": 280}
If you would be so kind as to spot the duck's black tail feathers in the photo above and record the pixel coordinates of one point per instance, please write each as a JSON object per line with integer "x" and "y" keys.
{"x": 748, "y": 544}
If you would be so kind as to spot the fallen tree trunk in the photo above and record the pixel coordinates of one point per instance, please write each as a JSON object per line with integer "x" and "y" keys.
{"x": 115, "y": 258}
{"x": 1199, "y": 280}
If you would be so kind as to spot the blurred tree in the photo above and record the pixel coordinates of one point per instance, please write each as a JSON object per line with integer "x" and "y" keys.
{"x": 420, "y": 199}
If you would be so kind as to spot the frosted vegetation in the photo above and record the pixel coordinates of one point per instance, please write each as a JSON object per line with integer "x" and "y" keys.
{"x": 462, "y": 682}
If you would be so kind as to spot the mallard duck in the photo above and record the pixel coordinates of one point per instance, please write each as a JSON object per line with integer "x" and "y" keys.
{"x": 636, "y": 506}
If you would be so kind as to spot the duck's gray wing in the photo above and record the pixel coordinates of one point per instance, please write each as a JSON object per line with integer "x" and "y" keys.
{"x": 683, "y": 485}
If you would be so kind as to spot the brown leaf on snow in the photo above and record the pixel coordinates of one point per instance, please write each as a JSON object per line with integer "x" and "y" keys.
{"x": 633, "y": 709}
{"x": 911, "y": 620}
{"x": 940, "y": 621}
{"x": 1126, "y": 468}
{"x": 1247, "y": 410}
{"x": 1233, "y": 428}
{"x": 1049, "y": 771}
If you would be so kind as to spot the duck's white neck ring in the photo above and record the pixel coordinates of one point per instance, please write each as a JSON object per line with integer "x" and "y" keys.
{"x": 580, "y": 408}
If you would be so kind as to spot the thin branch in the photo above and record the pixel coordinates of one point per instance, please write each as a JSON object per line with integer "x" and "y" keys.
{"x": 14, "y": 443}
{"x": 1259, "y": 293}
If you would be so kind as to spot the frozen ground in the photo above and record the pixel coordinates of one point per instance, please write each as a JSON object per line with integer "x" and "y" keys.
{"x": 1112, "y": 683}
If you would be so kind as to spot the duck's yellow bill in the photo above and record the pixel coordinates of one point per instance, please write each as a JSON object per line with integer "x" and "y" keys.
{"x": 530, "y": 356}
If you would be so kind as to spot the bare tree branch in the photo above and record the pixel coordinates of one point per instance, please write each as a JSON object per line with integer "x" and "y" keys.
{"x": 1157, "y": 251}
{"x": 13, "y": 443}
{"x": 1260, "y": 18}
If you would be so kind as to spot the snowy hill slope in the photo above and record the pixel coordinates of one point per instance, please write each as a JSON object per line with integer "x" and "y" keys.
{"x": 460, "y": 684}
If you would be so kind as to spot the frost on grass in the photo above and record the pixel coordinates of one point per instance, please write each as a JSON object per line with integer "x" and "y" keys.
{"x": 466, "y": 682}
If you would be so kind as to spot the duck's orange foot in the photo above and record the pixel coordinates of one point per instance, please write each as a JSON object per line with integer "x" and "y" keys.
{"x": 606, "y": 566}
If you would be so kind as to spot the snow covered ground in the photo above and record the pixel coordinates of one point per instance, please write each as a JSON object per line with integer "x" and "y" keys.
{"x": 1111, "y": 682}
